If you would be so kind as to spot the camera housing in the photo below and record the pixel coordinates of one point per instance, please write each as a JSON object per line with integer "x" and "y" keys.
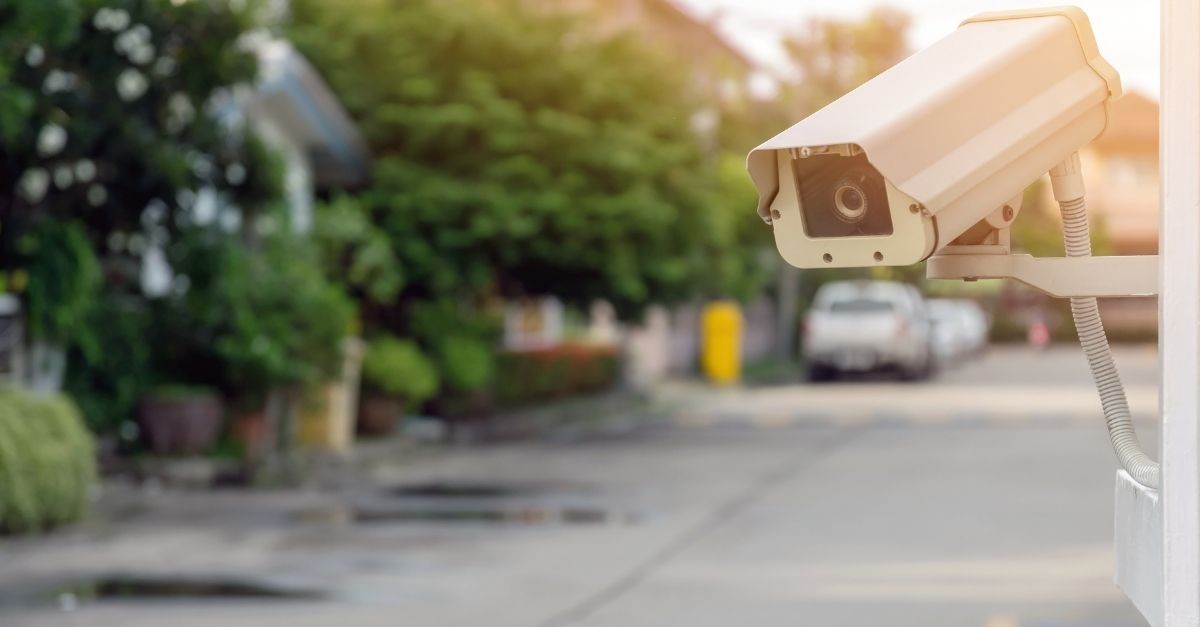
{"x": 945, "y": 140}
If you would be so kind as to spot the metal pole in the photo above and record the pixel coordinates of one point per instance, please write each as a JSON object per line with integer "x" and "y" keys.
{"x": 1179, "y": 311}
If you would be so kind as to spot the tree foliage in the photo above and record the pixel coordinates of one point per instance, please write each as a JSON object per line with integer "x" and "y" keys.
{"x": 832, "y": 56}
{"x": 250, "y": 321}
{"x": 109, "y": 109}
{"x": 121, "y": 132}
{"x": 519, "y": 153}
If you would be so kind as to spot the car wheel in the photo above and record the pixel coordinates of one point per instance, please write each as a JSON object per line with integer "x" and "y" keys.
{"x": 918, "y": 372}
{"x": 821, "y": 374}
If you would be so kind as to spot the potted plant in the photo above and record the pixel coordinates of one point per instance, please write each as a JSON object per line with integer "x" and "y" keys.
{"x": 468, "y": 368}
{"x": 261, "y": 322}
{"x": 396, "y": 376}
{"x": 283, "y": 331}
{"x": 180, "y": 419}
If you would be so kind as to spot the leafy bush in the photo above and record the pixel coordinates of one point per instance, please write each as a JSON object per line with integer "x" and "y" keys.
{"x": 398, "y": 368}
{"x": 109, "y": 366}
{"x": 62, "y": 276}
{"x": 433, "y": 320}
{"x": 47, "y": 462}
{"x": 592, "y": 368}
{"x": 467, "y": 364}
{"x": 251, "y": 321}
{"x": 357, "y": 252}
{"x": 189, "y": 323}
{"x": 286, "y": 323}
{"x": 531, "y": 376}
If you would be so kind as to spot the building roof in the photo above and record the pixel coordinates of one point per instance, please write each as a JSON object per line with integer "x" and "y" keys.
{"x": 296, "y": 98}
{"x": 661, "y": 21}
{"x": 669, "y": 9}
{"x": 1133, "y": 125}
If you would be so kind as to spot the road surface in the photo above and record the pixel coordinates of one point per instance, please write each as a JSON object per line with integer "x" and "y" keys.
{"x": 982, "y": 498}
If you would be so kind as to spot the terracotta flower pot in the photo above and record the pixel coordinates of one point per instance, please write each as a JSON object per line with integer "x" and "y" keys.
{"x": 377, "y": 414}
{"x": 181, "y": 424}
{"x": 252, "y": 430}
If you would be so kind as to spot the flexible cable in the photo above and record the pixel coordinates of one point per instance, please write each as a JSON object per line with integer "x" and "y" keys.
{"x": 1078, "y": 243}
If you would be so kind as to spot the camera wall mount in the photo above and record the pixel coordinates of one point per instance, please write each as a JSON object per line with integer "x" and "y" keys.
{"x": 1060, "y": 277}
{"x": 984, "y": 252}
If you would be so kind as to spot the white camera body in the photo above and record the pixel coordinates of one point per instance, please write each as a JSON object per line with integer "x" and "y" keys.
{"x": 947, "y": 139}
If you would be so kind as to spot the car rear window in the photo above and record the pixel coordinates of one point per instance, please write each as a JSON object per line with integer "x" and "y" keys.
{"x": 861, "y": 305}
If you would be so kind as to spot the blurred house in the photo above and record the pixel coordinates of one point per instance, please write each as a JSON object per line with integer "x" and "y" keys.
{"x": 1120, "y": 170}
{"x": 1121, "y": 173}
{"x": 534, "y": 324}
{"x": 295, "y": 112}
{"x": 1121, "y": 179}
{"x": 714, "y": 64}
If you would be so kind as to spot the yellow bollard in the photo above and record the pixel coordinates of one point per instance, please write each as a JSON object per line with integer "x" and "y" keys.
{"x": 721, "y": 339}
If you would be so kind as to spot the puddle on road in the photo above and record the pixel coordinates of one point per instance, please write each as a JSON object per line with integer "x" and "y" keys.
{"x": 470, "y": 489}
{"x": 501, "y": 514}
{"x": 70, "y": 595}
{"x": 474, "y": 502}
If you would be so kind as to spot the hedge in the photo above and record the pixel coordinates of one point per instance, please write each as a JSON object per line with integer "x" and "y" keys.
{"x": 570, "y": 369}
{"x": 47, "y": 462}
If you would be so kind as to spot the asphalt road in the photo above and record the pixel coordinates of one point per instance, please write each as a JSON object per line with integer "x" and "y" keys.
{"x": 981, "y": 498}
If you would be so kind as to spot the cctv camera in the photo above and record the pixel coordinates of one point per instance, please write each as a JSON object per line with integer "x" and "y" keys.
{"x": 947, "y": 139}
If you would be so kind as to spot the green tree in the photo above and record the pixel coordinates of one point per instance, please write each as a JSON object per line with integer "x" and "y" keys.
{"x": 250, "y": 321}
{"x": 114, "y": 115}
{"x": 113, "y": 111}
{"x": 832, "y": 56}
{"x": 519, "y": 154}
{"x": 750, "y": 260}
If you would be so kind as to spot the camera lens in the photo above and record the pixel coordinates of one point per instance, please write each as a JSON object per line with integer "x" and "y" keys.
{"x": 851, "y": 202}
{"x": 842, "y": 197}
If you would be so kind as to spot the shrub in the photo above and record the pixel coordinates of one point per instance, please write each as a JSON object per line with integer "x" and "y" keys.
{"x": 63, "y": 278}
{"x": 467, "y": 364}
{"x": 398, "y": 368}
{"x": 47, "y": 462}
{"x": 356, "y": 251}
{"x": 251, "y": 321}
{"x": 109, "y": 366}
{"x": 286, "y": 323}
{"x": 570, "y": 369}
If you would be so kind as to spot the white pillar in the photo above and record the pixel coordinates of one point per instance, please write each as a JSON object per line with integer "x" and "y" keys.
{"x": 1179, "y": 311}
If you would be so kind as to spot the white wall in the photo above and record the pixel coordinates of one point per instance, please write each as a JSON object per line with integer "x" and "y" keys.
{"x": 668, "y": 342}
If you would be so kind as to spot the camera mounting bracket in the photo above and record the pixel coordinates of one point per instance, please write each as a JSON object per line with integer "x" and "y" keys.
{"x": 1061, "y": 277}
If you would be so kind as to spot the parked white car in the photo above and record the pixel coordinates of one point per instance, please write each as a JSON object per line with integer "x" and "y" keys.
{"x": 951, "y": 335}
{"x": 960, "y": 329}
{"x": 978, "y": 325}
{"x": 860, "y": 326}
